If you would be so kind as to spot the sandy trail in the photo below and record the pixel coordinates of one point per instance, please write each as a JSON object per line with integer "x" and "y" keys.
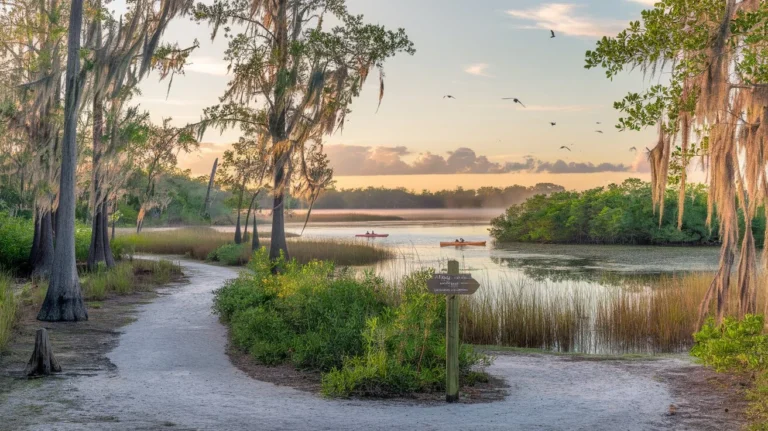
{"x": 172, "y": 371}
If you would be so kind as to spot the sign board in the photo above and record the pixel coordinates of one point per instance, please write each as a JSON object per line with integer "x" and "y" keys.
{"x": 452, "y": 284}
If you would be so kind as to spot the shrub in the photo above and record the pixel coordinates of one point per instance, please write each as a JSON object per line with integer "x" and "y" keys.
{"x": 733, "y": 345}
{"x": 738, "y": 346}
{"x": 230, "y": 254}
{"x": 404, "y": 349}
{"x": 317, "y": 318}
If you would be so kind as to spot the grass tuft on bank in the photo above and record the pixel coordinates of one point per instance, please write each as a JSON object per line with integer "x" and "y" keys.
{"x": 210, "y": 244}
{"x": 315, "y": 317}
{"x": 739, "y": 346}
{"x": 128, "y": 277}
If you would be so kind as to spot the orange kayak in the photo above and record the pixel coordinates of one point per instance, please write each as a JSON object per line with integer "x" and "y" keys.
{"x": 461, "y": 244}
{"x": 372, "y": 235}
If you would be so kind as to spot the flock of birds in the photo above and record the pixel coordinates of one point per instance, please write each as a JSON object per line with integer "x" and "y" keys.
{"x": 552, "y": 123}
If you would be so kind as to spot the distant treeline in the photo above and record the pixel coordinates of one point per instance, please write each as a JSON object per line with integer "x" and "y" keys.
{"x": 617, "y": 214}
{"x": 382, "y": 198}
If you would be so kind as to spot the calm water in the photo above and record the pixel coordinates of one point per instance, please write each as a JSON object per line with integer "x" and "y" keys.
{"x": 541, "y": 269}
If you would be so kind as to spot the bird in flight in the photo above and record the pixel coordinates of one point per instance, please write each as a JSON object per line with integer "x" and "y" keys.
{"x": 565, "y": 148}
{"x": 553, "y": 124}
{"x": 599, "y": 122}
{"x": 514, "y": 99}
{"x": 598, "y": 131}
{"x": 553, "y": 34}
{"x": 633, "y": 149}
{"x": 449, "y": 97}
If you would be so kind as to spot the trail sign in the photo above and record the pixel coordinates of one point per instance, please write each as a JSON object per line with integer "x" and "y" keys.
{"x": 452, "y": 284}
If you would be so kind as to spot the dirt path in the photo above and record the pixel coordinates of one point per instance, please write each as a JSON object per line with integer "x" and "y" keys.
{"x": 171, "y": 370}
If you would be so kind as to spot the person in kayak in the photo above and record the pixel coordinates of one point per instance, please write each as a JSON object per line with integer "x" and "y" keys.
{"x": 373, "y": 233}
{"x": 367, "y": 233}
{"x": 461, "y": 239}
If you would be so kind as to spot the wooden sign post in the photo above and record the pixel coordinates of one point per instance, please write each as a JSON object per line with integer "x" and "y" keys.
{"x": 452, "y": 285}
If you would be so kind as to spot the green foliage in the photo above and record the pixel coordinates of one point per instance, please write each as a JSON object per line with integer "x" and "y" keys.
{"x": 304, "y": 315}
{"x": 617, "y": 214}
{"x": 738, "y": 346}
{"x": 316, "y": 318}
{"x": 404, "y": 349}
{"x": 15, "y": 241}
{"x": 8, "y": 309}
{"x": 16, "y": 236}
{"x": 734, "y": 345}
{"x": 230, "y": 254}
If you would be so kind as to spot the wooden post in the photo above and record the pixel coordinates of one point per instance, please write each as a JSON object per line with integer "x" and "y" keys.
{"x": 452, "y": 341}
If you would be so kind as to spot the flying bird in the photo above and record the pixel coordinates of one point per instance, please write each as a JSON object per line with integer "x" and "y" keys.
{"x": 449, "y": 97}
{"x": 599, "y": 122}
{"x": 553, "y": 124}
{"x": 514, "y": 99}
{"x": 598, "y": 131}
{"x": 633, "y": 149}
{"x": 565, "y": 148}
{"x": 553, "y": 34}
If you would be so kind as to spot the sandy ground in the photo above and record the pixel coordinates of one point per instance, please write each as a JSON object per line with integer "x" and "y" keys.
{"x": 170, "y": 370}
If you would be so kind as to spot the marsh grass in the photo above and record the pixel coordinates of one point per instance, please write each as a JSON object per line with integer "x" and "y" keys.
{"x": 128, "y": 277}
{"x": 207, "y": 243}
{"x": 647, "y": 317}
{"x": 8, "y": 309}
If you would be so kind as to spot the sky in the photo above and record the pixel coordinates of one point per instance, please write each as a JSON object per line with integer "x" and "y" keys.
{"x": 478, "y": 52}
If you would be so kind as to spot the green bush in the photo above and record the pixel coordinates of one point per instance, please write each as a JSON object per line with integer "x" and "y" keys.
{"x": 15, "y": 241}
{"x": 304, "y": 315}
{"x": 229, "y": 254}
{"x": 404, "y": 349}
{"x": 738, "y": 346}
{"x": 317, "y": 318}
{"x": 733, "y": 345}
{"x": 16, "y": 235}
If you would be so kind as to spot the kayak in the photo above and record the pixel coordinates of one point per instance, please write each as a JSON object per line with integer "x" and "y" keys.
{"x": 372, "y": 235}
{"x": 460, "y": 244}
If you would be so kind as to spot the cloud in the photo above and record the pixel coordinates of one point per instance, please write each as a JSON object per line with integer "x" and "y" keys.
{"x": 206, "y": 65}
{"x": 561, "y": 167}
{"x": 645, "y": 2}
{"x": 564, "y": 19}
{"x": 348, "y": 160}
{"x": 477, "y": 69}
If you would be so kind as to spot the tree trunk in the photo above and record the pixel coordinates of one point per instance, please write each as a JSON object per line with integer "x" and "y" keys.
{"x": 99, "y": 248}
{"x": 42, "y": 362}
{"x": 255, "y": 241}
{"x": 114, "y": 220}
{"x": 35, "y": 238}
{"x": 207, "y": 201}
{"x": 64, "y": 300}
{"x": 43, "y": 259}
{"x": 248, "y": 217}
{"x": 109, "y": 259}
{"x": 238, "y": 235}
{"x": 277, "y": 245}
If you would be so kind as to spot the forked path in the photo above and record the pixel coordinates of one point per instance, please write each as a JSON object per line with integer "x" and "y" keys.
{"x": 172, "y": 371}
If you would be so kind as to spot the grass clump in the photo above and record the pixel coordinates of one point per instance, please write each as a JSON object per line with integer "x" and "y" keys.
{"x": 128, "y": 277}
{"x": 315, "y": 317}
{"x": 739, "y": 346}
{"x": 8, "y": 309}
{"x": 210, "y": 244}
